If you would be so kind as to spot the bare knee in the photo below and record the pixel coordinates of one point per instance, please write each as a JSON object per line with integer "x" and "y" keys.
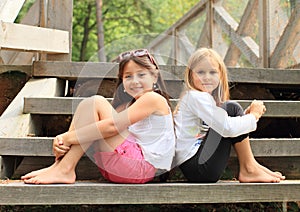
{"x": 89, "y": 101}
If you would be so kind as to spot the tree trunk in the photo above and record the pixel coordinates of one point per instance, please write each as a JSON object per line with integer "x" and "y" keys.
{"x": 100, "y": 32}
{"x": 85, "y": 34}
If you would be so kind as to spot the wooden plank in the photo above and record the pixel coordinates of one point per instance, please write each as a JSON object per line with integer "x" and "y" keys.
{"x": 246, "y": 44}
{"x": 17, "y": 57}
{"x": 67, "y": 105}
{"x": 74, "y": 70}
{"x": 21, "y": 68}
{"x": 186, "y": 19}
{"x": 288, "y": 41}
{"x": 245, "y": 27}
{"x": 60, "y": 16}
{"x": 9, "y": 10}
{"x": 42, "y": 146}
{"x": 14, "y": 123}
{"x": 264, "y": 76}
{"x": 264, "y": 16}
{"x": 30, "y": 38}
{"x": 13, "y": 117}
{"x": 152, "y": 193}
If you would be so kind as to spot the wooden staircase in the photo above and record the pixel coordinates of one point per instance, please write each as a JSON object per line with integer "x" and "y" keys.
{"x": 43, "y": 104}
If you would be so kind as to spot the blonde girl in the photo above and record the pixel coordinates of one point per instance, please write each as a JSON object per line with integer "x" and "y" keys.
{"x": 136, "y": 141}
{"x": 207, "y": 124}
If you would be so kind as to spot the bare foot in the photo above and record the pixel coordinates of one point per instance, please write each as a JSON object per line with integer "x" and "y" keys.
{"x": 257, "y": 175}
{"x": 37, "y": 172}
{"x": 52, "y": 175}
{"x": 272, "y": 173}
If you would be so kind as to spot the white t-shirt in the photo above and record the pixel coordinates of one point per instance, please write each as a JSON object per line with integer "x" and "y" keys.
{"x": 156, "y": 137}
{"x": 197, "y": 107}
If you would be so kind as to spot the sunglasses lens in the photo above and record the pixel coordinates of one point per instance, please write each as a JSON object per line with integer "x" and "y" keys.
{"x": 140, "y": 52}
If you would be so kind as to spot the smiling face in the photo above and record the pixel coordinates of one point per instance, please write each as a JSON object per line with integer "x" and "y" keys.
{"x": 137, "y": 79}
{"x": 205, "y": 75}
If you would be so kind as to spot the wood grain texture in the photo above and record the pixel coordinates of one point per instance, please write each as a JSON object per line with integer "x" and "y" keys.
{"x": 67, "y": 105}
{"x": 42, "y": 146}
{"x": 77, "y": 70}
{"x": 157, "y": 193}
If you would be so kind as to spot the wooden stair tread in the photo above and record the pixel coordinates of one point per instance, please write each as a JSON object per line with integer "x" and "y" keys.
{"x": 74, "y": 70}
{"x": 42, "y": 146}
{"x": 67, "y": 105}
{"x": 87, "y": 192}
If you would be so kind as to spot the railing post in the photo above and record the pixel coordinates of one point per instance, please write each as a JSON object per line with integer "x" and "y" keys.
{"x": 264, "y": 32}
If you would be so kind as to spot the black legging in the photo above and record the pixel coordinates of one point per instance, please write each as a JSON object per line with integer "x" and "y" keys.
{"x": 210, "y": 161}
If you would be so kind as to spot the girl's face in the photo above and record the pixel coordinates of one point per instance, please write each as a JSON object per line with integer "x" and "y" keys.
{"x": 205, "y": 75}
{"x": 137, "y": 79}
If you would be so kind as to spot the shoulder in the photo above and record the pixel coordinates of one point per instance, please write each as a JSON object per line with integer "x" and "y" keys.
{"x": 152, "y": 96}
{"x": 156, "y": 102}
{"x": 196, "y": 96}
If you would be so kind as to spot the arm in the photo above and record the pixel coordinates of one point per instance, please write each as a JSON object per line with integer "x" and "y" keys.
{"x": 146, "y": 105}
{"x": 203, "y": 106}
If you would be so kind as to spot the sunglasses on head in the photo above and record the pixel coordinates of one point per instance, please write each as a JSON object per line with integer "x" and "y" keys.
{"x": 137, "y": 53}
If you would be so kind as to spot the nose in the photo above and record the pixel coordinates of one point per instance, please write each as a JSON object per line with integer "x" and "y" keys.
{"x": 135, "y": 79}
{"x": 206, "y": 76}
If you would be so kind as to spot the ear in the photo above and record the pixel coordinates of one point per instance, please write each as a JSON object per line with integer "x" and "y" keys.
{"x": 155, "y": 78}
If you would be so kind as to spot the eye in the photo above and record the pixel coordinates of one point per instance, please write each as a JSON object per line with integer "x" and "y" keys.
{"x": 142, "y": 74}
{"x": 127, "y": 76}
{"x": 200, "y": 72}
{"x": 213, "y": 72}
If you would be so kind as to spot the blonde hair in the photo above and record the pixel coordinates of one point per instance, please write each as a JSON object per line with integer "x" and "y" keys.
{"x": 221, "y": 93}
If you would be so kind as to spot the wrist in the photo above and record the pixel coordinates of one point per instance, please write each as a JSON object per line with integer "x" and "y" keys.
{"x": 256, "y": 115}
{"x": 65, "y": 139}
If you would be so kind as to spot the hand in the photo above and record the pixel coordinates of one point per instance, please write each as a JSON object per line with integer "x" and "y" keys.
{"x": 59, "y": 148}
{"x": 257, "y": 108}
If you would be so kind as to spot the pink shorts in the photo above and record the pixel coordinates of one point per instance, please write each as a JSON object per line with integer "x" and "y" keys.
{"x": 126, "y": 164}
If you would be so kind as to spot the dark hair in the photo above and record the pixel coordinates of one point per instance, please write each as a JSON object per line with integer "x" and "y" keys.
{"x": 121, "y": 97}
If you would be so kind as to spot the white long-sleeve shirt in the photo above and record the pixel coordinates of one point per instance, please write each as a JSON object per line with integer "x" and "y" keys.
{"x": 197, "y": 107}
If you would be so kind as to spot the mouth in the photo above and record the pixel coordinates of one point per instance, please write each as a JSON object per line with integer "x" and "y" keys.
{"x": 136, "y": 89}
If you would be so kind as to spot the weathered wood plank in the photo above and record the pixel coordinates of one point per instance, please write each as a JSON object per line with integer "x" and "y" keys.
{"x": 186, "y": 19}
{"x": 40, "y": 39}
{"x": 18, "y": 57}
{"x": 60, "y": 16}
{"x": 22, "y": 68}
{"x": 14, "y": 123}
{"x": 74, "y": 70}
{"x": 67, "y": 105}
{"x": 42, "y": 146}
{"x": 283, "y": 52}
{"x": 246, "y": 44}
{"x": 244, "y": 28}
{"x": 152, "y": 193}
{"x": 9, "y": 10}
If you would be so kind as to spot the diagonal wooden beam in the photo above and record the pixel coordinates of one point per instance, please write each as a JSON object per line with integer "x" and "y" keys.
{"x": 247, "y": 45}
{"x": 9, "y": 9}
{"x": 288, "y": 41}
{"x": 233, "y": 53}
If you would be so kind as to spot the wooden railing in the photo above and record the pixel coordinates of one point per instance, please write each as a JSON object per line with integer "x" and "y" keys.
{"x": 265, "y": 36}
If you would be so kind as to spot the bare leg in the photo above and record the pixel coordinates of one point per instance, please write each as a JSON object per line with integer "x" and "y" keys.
{"x": 63, "y": 171}
{"x": 250, "y": 169}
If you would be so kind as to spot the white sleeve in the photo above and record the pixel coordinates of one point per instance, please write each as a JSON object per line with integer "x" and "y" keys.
{"x": 204, "y": 106}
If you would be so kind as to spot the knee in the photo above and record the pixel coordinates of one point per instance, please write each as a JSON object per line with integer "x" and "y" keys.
{"x": 91, "y": 101}
{"x": 233, "y": 108}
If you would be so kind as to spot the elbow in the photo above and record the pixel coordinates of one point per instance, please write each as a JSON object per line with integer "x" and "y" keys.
{"x": 229, "y": 131}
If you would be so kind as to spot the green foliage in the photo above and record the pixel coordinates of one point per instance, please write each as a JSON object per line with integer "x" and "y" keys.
{"x": 128, "y": 24}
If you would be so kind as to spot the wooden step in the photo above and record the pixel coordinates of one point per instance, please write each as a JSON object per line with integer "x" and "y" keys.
{"x": 67, "y": 105}
{"x": 87, "y": 192}
{"x": 74, "y": 70}
{"x": 42, "y": 146}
